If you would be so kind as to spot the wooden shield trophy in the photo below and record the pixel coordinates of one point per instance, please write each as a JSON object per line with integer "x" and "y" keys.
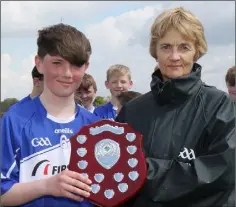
{"x": 110, "y": 154}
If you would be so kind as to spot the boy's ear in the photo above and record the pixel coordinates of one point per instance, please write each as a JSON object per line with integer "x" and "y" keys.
{"x": 86, "y": 65}
{"x": 131, "y": 84}
{"x": 107, "y": 84}
{"x": 38, "y": 64}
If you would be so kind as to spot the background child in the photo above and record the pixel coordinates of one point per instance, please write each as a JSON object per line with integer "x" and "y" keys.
{"x": 230, "y": 79}
{"x": 118, "y": 80}
{"x": 125, "y": 97}
{"x": 86, "y": 93}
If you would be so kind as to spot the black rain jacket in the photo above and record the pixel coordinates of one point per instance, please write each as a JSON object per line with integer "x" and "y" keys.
{"x": 189, "y": 142}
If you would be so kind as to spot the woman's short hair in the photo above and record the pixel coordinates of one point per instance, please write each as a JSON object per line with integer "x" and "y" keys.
{"x": 185, "y": 22}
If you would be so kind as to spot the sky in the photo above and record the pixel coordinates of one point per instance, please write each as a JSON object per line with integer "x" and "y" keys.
{"x": 119, "y": 33}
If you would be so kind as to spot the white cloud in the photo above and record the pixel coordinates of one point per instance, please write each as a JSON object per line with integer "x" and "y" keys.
{"x": 24, "y": 18}
{"x": 216, "y": 63}
{"x": 16, "y": 83}
{"x": 114, "y": 32}
{"x": 125, "y": 38}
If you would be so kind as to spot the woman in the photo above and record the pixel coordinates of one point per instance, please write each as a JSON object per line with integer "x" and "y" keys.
{"x": 185, "y": 124}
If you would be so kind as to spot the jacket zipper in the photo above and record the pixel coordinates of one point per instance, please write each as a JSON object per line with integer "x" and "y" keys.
{"x": 154, "y": 128}
{"x": 152, "y": 135}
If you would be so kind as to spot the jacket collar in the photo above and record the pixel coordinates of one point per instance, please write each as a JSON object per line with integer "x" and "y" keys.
{"x": 178, "y": 90}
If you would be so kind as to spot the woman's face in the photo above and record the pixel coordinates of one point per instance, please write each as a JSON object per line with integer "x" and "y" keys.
{"x": 175, "y": 55}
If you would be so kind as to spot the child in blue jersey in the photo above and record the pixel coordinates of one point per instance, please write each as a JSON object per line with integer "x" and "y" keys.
{"x": 86, "y": 92}
{"x": 35, "y": 135}
{"x": 37, "y": 87}
{"x": 118, "y": 80}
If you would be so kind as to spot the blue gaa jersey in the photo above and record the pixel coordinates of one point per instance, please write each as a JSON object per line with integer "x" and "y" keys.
{"x": 36, "y": 145}
{"x": 106, "y": 111}
{"x": 27, "y": 98}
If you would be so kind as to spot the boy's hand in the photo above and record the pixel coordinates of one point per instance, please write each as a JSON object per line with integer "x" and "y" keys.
{"x": 68, "y": 184}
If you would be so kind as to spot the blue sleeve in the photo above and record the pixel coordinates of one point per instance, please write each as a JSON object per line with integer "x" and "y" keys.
{"x": 97, "y": 112}
{"x": 9, "y": 153}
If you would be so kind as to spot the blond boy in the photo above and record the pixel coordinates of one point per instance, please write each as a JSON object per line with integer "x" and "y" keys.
{"x": 118, "y": 80}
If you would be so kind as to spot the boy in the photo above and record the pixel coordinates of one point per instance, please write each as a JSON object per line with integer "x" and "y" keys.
{"x": 125, "y": 97}
{"x": 86, "y": 92}
{"x": 230, "y": 79}
{"x": 118, "y": 80}
{"x": 37, "y": 87}
{"x": 37, "y": 83}
{"x": 35, "y": 135}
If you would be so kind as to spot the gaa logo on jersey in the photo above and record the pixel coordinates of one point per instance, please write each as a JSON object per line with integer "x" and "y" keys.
{"x": 41, "y": 142}
{"x": 44, "y": 167}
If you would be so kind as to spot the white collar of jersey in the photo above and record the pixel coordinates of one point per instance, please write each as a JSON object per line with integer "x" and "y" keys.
{"x": 91, "y": 110}
{"x": 61, "y": 120}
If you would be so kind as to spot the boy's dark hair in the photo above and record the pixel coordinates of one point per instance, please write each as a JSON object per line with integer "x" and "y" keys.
{"x": 65, "y": 41}
{"x": 35, "y": 74}
{"x": 87, "y": 81}
{"x": 127, "y": 96}
{"x": 230, "y": 76}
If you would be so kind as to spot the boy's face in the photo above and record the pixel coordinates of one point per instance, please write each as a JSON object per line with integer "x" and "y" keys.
{"x": 232, "y": 92}
{"x": 118, "y": 83}
{"x": 86, "y": 96}
{"x": 60, "y": 77}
